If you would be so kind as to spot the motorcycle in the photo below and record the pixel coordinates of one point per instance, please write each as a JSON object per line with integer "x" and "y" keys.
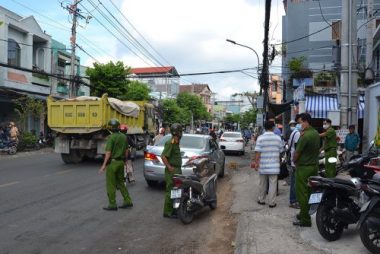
{"x": 8, "y": 146}
{"x": 322, "y": 161}
{"x": 369, "y": 222}
{"x": 336, "y": 203}
{"x": 191, "y": 193}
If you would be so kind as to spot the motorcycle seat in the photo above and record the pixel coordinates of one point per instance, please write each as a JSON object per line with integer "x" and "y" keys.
{"x": 343, "y": 181}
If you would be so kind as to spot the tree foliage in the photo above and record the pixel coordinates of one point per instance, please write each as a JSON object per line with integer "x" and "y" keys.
{"x": 172, "y": 113}
{"x": 26, "y": 106}
{"x": 111, "y": 78}
{"x": 247, "y": 118}
{"x": 297, "y": 68}
{"x": 192, "y": 104}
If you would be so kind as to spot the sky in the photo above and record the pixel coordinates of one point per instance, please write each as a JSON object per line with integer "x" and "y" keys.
{"x": 189, "y": 35}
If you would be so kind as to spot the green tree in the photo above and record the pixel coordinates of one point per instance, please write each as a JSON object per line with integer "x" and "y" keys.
{"x": 137, "y": 91}
{"x": 297, "y": 68}
{"x": 26, "y": 106}
{"x": 234, "y": 118}
{"x": 112, "y": 78}
{"x": 247, "y": 118}
{"x": 172, "y": 113}
{"x": 191, "y": 103}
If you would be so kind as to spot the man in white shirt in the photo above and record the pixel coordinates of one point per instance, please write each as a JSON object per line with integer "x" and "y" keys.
{"x": 267, "y": 161}
{"x": 292, "y": 142}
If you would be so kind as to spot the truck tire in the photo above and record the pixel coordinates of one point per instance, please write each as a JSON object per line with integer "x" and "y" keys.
{"x": 73, "y": 157}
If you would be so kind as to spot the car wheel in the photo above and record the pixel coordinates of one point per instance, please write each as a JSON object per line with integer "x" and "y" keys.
{"x": 151, "y": 183}
{"x": 221, "y": 173}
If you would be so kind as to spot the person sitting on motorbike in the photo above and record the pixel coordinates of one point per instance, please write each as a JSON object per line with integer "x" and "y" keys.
{"x": 128, "y": 169}
{"x": 13, "y": 131}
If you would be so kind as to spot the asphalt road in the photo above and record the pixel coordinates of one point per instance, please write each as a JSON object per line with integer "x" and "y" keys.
{"x": 49, "y": 207}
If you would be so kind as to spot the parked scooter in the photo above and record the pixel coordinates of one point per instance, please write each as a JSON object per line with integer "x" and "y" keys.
{"x": 337, "y": 204}
{"x": 322, "y": 161}
{"x": 369, "y": 222}
{"x": 191, "y": 193}
{"x": 8, "y": 146}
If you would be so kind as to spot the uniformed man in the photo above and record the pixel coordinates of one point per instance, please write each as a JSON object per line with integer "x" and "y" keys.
{"x": 330, "y": 147}
{"x": 306, "y": 161}
{"x": 171, "y": 156}
{"x": 115, "y": 158}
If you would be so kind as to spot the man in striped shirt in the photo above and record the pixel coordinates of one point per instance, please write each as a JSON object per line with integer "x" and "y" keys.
{"x": 267, "y": 161}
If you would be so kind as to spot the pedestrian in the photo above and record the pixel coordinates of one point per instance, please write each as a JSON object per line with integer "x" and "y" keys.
{"x": 330, "y": 147}
{"x": 128, "y": 169}
{"x": 292, "y": 144}
{"x": 212, "y": 133}
{"x": 171, "y": 156}
{"x": 13, "y": 132}
{"x": 306, "y": 161}
{"x": 114, "y": 161}
{"x": 351, "y": 143}
{"x": 267, "y": 161}
{"x": 159, "y": 136}
{"x": 276, "y": 130}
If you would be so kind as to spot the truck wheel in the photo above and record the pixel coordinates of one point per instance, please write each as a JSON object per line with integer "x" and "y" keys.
{"x": 75, "y": 156}
{"x": 66, "y": 158}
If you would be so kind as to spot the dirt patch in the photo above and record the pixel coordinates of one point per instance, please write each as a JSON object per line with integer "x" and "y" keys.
{"x": 223, "y": 224}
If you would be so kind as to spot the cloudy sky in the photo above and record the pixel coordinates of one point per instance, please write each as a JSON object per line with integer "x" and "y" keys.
{"x": 190, "y": 35}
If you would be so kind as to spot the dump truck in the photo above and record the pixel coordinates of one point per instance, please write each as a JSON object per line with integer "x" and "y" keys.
{"x": 81, "y": 124}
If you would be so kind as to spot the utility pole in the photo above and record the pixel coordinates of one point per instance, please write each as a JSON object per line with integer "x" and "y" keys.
{"x": 264, "y": 79}
{"x": 73, "y": 46}
{"x": 348, "y": 88}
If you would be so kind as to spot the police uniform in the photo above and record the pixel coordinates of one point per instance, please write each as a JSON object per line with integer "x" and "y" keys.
{"x": 330, "y": 146}
{"x": 173, "y": 154}
{"x": 306, "y": 166}
{"x": 116, "y": 144}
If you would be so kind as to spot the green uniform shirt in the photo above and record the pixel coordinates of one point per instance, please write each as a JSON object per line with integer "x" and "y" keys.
{"x": 172, "y": 153}
{"x": 117, "y": 144}
{"x": 308, "y": 148}
{"x": 330, "y": 139}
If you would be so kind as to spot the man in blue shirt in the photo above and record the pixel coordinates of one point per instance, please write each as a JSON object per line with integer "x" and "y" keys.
{"x": 351, "y": 143}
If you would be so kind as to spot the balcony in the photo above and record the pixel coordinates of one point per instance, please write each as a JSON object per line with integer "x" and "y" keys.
{"x": 62, "y": 88}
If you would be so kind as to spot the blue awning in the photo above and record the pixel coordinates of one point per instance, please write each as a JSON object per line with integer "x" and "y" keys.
{"x": 361, "y": 106}
{"x": 318, "y": 105}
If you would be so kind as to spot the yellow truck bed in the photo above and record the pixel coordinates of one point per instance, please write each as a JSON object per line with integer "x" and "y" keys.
{"x": 79, "y": 117}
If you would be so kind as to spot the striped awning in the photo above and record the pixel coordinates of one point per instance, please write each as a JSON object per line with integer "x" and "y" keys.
{"x": 318, "y": 105}
{"x": 361, "y": 106}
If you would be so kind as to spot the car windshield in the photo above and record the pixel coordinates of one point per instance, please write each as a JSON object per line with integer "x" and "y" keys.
{"x": 194, "y": 142}
{"x": 232, "y": 135}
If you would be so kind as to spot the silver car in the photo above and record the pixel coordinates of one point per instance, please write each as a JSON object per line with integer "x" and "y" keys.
{"x": 193, "y": 146}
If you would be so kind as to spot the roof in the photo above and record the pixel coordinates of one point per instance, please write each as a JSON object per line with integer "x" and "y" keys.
{"x": 154, "y": 70}
{"x": 196, "y": 88}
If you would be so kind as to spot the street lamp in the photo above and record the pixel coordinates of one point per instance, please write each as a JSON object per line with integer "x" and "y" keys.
{"x": 245, "y": 46}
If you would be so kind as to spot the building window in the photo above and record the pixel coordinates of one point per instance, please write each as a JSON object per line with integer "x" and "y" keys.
{"x": 13, "y": 53}
{"x": 336, "y": 29}
{"x": 41, "y": 59}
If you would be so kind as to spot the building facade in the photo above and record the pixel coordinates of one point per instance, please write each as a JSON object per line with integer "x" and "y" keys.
{"x": 203, "y": 91}
{"x": 163, "y": 81}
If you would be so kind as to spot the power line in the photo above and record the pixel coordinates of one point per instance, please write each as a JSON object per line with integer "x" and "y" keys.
{"x": 113, "y": 34}
{"x": 130, "y": 23}
{"x": 301, "y": 38}
{"x": 134, "y": 41}
{"x": 29, "y": 45}
{"x": 87, "y": 53}
{"x": 323, "y": 16}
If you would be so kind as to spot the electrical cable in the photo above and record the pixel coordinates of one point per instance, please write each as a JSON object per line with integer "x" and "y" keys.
{"x": 323, "y": 16}
{"x": 133, "y": 40}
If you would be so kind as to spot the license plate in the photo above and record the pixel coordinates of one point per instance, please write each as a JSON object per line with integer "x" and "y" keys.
{"x": 315, "y": 198}
{"x": 175, "y": 194}
{"x": 365, "y": 206}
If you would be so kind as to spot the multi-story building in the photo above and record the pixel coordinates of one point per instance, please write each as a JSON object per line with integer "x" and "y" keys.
{"x": 24, "y": 46}
{"x": 313, "y": 30}
{"x": 163, "y": 81}
{"x": 28, "y": 54}
{"x": 202, "y": 90}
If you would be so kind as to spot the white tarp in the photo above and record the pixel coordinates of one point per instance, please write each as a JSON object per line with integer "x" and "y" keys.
{"x": 127, "y": 108}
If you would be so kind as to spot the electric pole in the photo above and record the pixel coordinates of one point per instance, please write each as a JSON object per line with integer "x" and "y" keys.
{"x": 264, "y": 79}
{"x": 73, "y": 10}
{"x": 348, "y": 87}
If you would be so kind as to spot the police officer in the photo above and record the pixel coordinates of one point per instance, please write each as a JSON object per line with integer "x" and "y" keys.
{"x": 306, "y": 160}
{"x": 330, "y": 147}
{"x": 171, "y": 156}
{"x": 116, "y": 154}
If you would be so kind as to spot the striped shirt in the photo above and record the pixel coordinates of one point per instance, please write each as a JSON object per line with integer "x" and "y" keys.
{"x": 269, "y": 145}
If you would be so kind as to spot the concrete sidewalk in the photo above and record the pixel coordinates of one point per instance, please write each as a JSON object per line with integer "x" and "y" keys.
{"x": 262, "y": 229}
